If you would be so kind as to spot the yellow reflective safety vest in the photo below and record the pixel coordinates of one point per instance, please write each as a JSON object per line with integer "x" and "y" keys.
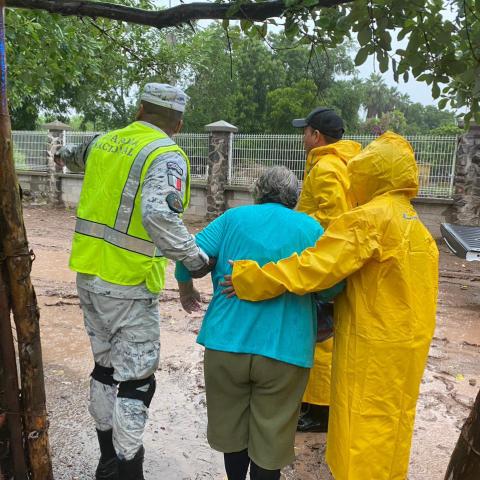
{"x": 386, "y": 315}
{"x": 324, "y": 196}
{"x": 109, "y": 240}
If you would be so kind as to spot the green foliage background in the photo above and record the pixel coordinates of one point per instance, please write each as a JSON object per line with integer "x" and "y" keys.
{"x": 90, "y": 71}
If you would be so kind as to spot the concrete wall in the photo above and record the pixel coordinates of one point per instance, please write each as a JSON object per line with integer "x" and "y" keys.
{"x": 35, "y": 186}
{"x": 433, "y": 212}
{"x": 71, "y": 188}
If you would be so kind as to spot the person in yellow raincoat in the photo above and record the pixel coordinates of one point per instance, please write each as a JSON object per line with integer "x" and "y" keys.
{"x": 324, "y": 196}
{"x": 384, "y": 319}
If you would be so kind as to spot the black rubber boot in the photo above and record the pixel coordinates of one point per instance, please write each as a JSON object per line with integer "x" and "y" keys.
{"x": 132, "y": 469}
{"x": 314, "y": 420}
{"x": 107, "y": 468}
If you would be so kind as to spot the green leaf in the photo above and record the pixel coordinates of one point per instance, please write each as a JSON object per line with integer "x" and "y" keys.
{"x": 477, "y": 118}
{"x": 383, "y": 63}
{"x": 362, "y": 55}
{"x": 264, "y": 30}
{"x": 291, "y": 30}
{"x": 364, "y": 36}
{"x": 402, "y": 34}
{"x": 323, "y": 22}
{"x": 343, "y": 23}
{"x": 385, "y": 39}
{"x": 425, "y": 77}
{"x": 245, "y": 25}
{"x": 466, "y": 119}
{"x": 442, "y": 103}
{"x": 435, "y": 90}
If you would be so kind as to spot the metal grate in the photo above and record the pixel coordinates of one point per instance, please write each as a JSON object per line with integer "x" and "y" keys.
{"x": 30, "y": 151}
{"x": 463, "y": 241}
{"x": 253, "y": 153}
{"x": 79, "y": 137}
{"x": 195, "y": 146}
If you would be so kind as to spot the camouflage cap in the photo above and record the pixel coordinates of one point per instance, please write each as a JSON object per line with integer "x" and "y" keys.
{"x": 165, "y": 95}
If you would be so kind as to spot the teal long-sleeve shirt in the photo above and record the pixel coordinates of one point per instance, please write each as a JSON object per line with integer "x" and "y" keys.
{"x": 283, "y": 328}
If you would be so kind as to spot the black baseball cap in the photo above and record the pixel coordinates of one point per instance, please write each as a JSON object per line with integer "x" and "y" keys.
{"x": 325, "y": 120}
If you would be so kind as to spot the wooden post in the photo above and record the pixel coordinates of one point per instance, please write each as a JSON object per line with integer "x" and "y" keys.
{"x": 22, "y": 295}
{"x": 6, "y": 468}
{"x": 9, "y": 382}
{"x": 465, "y": 461}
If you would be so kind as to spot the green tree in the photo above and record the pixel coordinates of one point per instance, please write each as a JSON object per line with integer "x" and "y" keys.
{"x": 302, "y": 61}
{"x": 260, "y": 86}
{"x": 425, "y": 119}
{"x": 286, "y": 103}
{"x": 345, "y": 97}
{"x": 441, "y": 50}
{"x": 258, "y": 72}
{"x": 210, "y": 80}
{"x": 57, "y": 64}
{"x": 394, "y": 120}
{"x": 378, "y": 98}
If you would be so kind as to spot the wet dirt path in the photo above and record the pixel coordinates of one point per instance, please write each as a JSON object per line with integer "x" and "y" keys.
{"x": 175, "y": 439}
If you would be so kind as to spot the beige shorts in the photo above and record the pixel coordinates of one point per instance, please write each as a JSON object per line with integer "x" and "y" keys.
{"x": 253, "y": 402}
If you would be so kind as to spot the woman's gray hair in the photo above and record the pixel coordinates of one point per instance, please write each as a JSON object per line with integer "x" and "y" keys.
{"x": 276, "y": 185}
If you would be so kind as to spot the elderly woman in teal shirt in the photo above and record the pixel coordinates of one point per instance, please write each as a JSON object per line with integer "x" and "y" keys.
{"x": 257, "y": 355}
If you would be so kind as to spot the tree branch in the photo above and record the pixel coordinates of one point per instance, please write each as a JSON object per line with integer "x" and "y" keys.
{"x": 163, "y": 18}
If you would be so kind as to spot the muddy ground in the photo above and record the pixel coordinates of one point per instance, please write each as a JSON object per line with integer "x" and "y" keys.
{"x": 175, "y": 438}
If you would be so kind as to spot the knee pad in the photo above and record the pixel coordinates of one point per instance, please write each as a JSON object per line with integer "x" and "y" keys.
{"x": 103, "y": 375}
{"x": 130, "y": 389}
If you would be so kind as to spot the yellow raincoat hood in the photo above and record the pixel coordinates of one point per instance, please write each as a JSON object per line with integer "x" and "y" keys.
{"x": 344, "y": 150}
{"x": 325, "y": 185}
{"x": 385, "y": 318}
{"x": 386, "y": 165}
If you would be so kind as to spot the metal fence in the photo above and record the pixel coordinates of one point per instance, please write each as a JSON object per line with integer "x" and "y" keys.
{"x": 253, "y": 153}
{"x": 194, "y": 144}
{"x": 78, "y": 137}
{"x": 30, "y": 151}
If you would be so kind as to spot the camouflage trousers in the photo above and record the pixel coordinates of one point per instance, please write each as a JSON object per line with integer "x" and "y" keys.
{"x": 124, "y": 334}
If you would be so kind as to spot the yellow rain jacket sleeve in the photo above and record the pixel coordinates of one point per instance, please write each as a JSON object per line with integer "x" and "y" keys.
{"x": 384, "y": 319}
{"x": 348, "y": 243}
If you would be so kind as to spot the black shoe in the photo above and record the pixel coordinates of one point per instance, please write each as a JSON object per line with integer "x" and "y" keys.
{"x": 315, "y": 420}
{"x": 107, "y": 468}
{"x": 132, "y": 469}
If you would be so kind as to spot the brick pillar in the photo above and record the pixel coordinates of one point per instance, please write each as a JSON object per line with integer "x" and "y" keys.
{"x": 466, "y": 207}
{"x": 219, "y": 165}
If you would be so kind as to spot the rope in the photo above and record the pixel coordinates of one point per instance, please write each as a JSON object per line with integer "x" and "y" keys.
{"x": 30, "y": 254}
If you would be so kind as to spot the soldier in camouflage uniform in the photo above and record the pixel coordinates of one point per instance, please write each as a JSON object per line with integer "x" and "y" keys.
{"x": 135, "y": 189}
